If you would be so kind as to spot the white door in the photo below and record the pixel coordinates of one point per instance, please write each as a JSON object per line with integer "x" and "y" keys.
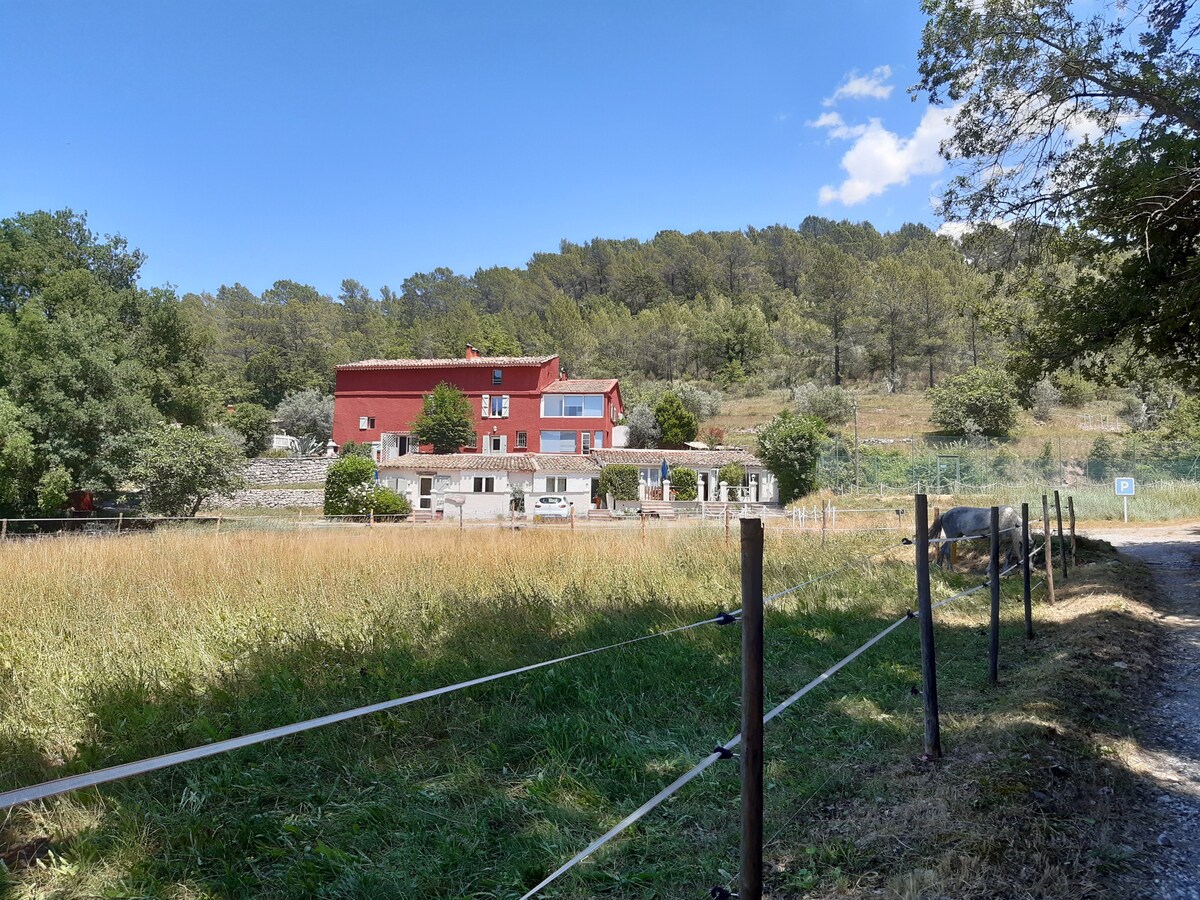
{"x": 425, "y": 492}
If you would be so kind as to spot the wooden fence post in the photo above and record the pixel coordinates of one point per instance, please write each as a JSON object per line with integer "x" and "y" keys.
{"x": 994, "y": 618}
{"x": 120, "y": 521}
{"x": 644, "y": 529}
{"x": 572, "y": 511}
{"x": 218, "y": 524}
{"x": 3, "y": 529}
{"x": 1062, "y": 545}
{"x": 726, "y": 526}
{"x": 1048, "y": 550}
{"x": 371, "y": 518}
{"x": 933, "y": 728}
{"x": 824, "y": 523}
{"x": 752, "y": 709}
{"x": 1026, "y": 570}
{"x": 1071, "y": 513}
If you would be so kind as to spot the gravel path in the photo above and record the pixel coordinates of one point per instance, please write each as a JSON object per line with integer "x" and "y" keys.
{"x": 1169, "y": 757}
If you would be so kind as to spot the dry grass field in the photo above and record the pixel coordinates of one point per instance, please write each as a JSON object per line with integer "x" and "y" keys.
{"x": 906, "y": 415}
{"x": 116, "y": 649}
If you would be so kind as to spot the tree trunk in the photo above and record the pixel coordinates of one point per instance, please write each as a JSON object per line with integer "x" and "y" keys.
{"x": 931, "y": 370}
{"x": 837, "y": 363}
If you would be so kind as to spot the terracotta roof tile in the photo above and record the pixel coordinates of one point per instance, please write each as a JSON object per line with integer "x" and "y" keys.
{"x": 492, "y": 462}
{"x": 483, "y": 462}
{"x": 580, "y": 386}
{"x": 690, "y": 458}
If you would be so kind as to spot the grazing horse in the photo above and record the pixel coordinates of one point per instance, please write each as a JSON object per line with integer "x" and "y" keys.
{"x": 967, "y": 520}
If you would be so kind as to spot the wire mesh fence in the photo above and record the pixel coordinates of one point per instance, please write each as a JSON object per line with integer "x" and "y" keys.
{"x": 954, "y": 463}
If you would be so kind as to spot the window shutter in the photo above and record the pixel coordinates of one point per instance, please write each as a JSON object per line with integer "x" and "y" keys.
{"x": 487, "y": 400}
{"x": 505, "y": 401}
{"x": 362, "y": 423}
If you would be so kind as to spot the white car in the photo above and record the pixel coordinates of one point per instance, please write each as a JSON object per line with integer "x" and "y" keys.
{"x": 552, "y": 508}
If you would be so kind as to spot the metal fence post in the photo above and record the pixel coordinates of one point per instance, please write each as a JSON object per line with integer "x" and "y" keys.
{"x": 1048, "y": 550}
{"x": 3, "y": 529}
{"x": 752, "y": 709}
{"x": 1071, "y": 513}
{"x": 1026, "y": 573}
{"x": 994, "y": 619}
{"x": 933, "y": 728}
{"x": 1062, "y": 547}
{"x": 120, "y": 521}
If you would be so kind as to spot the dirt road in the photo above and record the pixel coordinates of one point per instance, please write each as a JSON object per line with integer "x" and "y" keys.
{"x": 1169, "y": 755}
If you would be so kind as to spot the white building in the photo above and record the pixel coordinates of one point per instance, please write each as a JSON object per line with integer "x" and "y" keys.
{"x": 499, "y": 485}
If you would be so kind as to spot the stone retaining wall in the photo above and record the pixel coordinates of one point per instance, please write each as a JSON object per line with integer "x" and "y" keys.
{"x": 278, "y": 498}
{"x": 267, "y": 471}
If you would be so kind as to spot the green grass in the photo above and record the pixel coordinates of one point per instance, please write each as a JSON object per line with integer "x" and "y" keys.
{"x": 115, "y": 650}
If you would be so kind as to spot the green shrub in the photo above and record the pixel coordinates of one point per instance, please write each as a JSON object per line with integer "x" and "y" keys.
{"x": 1074, "y": 390}
{"x": 343, "y": 477}
{"x": 277, "y": 453}
{"x": 790, "y": 446}
{"x": 354, "y": 448}
{"x": 253, "y": 423}
{"x": 986, "y": 397}
{"x": 832, "y": 405}
{"x": 179, "y": 468}
{"x": 52, "y": 490}
{"x": 382, "y": 501}
{"x": 733, "y": 474}
{"x": 1044, "y": 397}
{"x": 620, "y": 480}
{"x": 683, "y": 483}
{"x": 678, "y": 426}
{"x": 447, "y": 420}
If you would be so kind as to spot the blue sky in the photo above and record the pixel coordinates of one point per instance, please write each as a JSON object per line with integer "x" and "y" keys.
{"x": 253, "y": 141}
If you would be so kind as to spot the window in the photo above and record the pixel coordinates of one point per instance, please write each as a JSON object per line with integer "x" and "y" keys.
{"x": 499, "y": 407}
{"x": 484, "y": 485}
{"x": 652, "y": 476}
{"x": 497, "y": 376}
{"x": 573, "y": 406}
{"x": 556, "y": 484}
{"x": 496, "y": 443}
{"x": 366, "y": 422}
{"x": 598, "y": 443}
{"x": 586, "y": 438}
{"x": 522, "y": 440}
{"x": 558, "y": 442}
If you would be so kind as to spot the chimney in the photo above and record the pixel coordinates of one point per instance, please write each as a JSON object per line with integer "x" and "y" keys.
{"x": 472, "y": 353}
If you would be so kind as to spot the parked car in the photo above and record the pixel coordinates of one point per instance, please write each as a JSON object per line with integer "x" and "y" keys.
{"x": 552, "y": 508}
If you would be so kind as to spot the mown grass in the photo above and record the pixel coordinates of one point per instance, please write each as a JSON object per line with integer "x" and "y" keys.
{"x": 116, "y": 649}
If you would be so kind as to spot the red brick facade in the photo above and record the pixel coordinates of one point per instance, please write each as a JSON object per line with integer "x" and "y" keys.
{"x": 378, "y": 398}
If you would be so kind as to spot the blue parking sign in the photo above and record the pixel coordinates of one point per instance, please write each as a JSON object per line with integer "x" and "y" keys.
{"x": 1125, "y": 487}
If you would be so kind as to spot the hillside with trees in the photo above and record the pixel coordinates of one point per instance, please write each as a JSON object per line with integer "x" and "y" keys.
{"x": 91, "y": 361}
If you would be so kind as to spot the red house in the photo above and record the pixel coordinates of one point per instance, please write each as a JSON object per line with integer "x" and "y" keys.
{"x": 522, "y": 403}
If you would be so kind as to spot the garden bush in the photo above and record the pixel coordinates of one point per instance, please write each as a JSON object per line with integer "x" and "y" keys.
{"x": 733, "y": 474}
{"x": 985, "y": 396}
{"x": 345, "y": 475}
{"x": 620, "y": 480}
{"x": 832, "y": 405}
{"x": 683, "y": 483}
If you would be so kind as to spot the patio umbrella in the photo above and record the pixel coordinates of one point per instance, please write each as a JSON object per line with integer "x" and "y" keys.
{"x": 665, "y": 470}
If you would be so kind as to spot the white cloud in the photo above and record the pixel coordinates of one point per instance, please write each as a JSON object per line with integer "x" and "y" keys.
{"x": 837, "y": 126}
{"x": 859, "y": 87}
{"x": 879, "y": 159}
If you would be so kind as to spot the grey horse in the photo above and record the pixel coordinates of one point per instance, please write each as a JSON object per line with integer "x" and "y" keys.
{"x": 960, "y": 521}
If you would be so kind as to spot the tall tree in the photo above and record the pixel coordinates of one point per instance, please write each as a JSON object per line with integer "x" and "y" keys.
{"x": 1087, "y": 119}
